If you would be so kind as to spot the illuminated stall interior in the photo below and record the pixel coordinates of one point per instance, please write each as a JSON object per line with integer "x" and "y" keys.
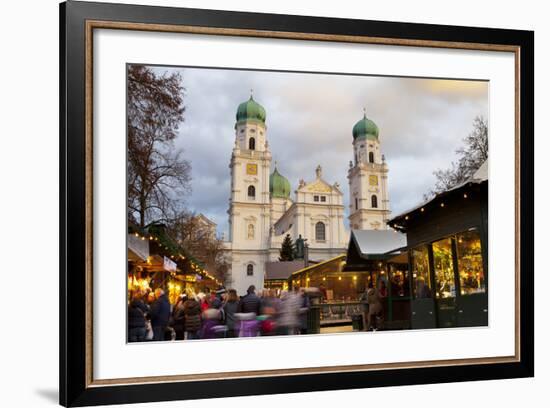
{"x": 277, "y": 274}
{"x": 156, "y": 261}
{"x": 329, "y": 277}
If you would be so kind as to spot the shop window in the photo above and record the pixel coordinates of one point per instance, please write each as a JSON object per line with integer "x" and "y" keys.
{"x": 374, "y": 201}
{"x": 249, "y": 270}
{"x": 251, "y": 192}
{"x": 320, "y": 231}
{"x": 470, "y": 263}
{"x": 421, "y": 273}
{"x": 252, "y": 144}
{"x": 443, "y": 268}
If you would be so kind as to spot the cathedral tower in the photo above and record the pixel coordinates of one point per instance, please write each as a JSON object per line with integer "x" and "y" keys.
{"x": 368, "y": 179}
{"x": 249, "y": 209}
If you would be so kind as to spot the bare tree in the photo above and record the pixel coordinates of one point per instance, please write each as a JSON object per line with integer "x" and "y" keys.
{"x": 470, "y": 157}
{"x": 194, "y": 233}
{"x": 158, "y": 176}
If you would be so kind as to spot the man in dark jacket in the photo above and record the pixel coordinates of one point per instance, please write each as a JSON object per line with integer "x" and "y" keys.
{"x": 160, "y": 315}
{"x": 250, "y": 303}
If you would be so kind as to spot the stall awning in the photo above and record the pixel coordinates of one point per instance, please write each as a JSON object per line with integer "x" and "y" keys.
{"x": 138, "y": 249}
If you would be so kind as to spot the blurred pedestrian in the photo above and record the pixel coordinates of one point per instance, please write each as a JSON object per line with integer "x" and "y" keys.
{"x": 303, "y": 310}
{"x": 230, "y": 308}
{"x": 376, "y": 310}
{"x": 211, "y": 324}
{"x": 178, "y": 315}
{"x": 365, "y": 308}
{"x": 192, "y": 312}
{"x": 269, "y": 310}
{"x": 288, "y": 319}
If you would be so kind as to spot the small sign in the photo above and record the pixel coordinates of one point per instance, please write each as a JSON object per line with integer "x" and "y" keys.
{"x": 169, "y": 265}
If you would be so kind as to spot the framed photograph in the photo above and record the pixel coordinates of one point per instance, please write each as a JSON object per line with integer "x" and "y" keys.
{"x": 258, "y": 204}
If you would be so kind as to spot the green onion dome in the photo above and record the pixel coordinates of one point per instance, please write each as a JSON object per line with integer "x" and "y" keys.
{"x": 251, "y": 111}
{"x": 366, "y": 129}
{"x": 279, "y": 185}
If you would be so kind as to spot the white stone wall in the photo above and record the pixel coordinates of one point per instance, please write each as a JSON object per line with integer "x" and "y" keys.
{"x": 240, "y": 280}
{"x": 315, "y": 202}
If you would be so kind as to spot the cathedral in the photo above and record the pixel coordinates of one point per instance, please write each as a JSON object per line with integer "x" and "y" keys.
{"x": 263, "y": 210}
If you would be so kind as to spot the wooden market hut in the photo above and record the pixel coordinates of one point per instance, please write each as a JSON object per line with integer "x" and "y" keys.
{"x": 448, "y": 252}
{"x": 380, "y": 256}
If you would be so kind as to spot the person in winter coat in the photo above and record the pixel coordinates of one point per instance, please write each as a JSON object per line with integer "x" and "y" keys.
{"x": 192, "y": 312}
{"x": 178, "y": 316}
{"x": 160, "y": 315}
{"x": 136, "y": 319}
{"x": 376, "y": 310}
{"x": 230, "y": 308}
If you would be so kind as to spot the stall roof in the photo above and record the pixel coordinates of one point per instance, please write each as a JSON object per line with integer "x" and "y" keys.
{"x": 374, "y": 243}
{"x": 339, "y": 258}
{"x": 282, "y": 270}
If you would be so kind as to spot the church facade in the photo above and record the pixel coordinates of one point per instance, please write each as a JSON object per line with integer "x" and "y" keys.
{"x": 262, "y": 210}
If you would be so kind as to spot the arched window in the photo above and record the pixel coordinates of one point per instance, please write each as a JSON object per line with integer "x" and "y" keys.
{"x": 252, "y": 144}
{"x": 320, "y": 231}
{"x": 249, "y": 270}
{"x": 374, "y": 201}
{"x": 251, "y": 192}
{"x": 250, "y": 232}
{"x": 371, "y": 157}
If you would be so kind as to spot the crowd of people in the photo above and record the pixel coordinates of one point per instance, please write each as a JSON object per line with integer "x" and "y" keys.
{"x": 216, "y": 314}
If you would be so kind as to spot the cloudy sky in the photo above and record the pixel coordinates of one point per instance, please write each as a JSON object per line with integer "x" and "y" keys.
{"x": 309, "y": 122}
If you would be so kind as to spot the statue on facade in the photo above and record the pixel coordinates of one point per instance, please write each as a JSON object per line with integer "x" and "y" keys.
{"x": 319, "y": 171}
{"x": 300, "y": 243}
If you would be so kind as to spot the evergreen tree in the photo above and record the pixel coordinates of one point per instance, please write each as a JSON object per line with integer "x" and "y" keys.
{"x": 287, "y": 249}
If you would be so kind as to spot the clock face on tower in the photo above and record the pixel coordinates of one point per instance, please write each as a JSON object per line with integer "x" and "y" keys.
{"x": 252, "y": 169}
{"x": 373, "y": 180}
